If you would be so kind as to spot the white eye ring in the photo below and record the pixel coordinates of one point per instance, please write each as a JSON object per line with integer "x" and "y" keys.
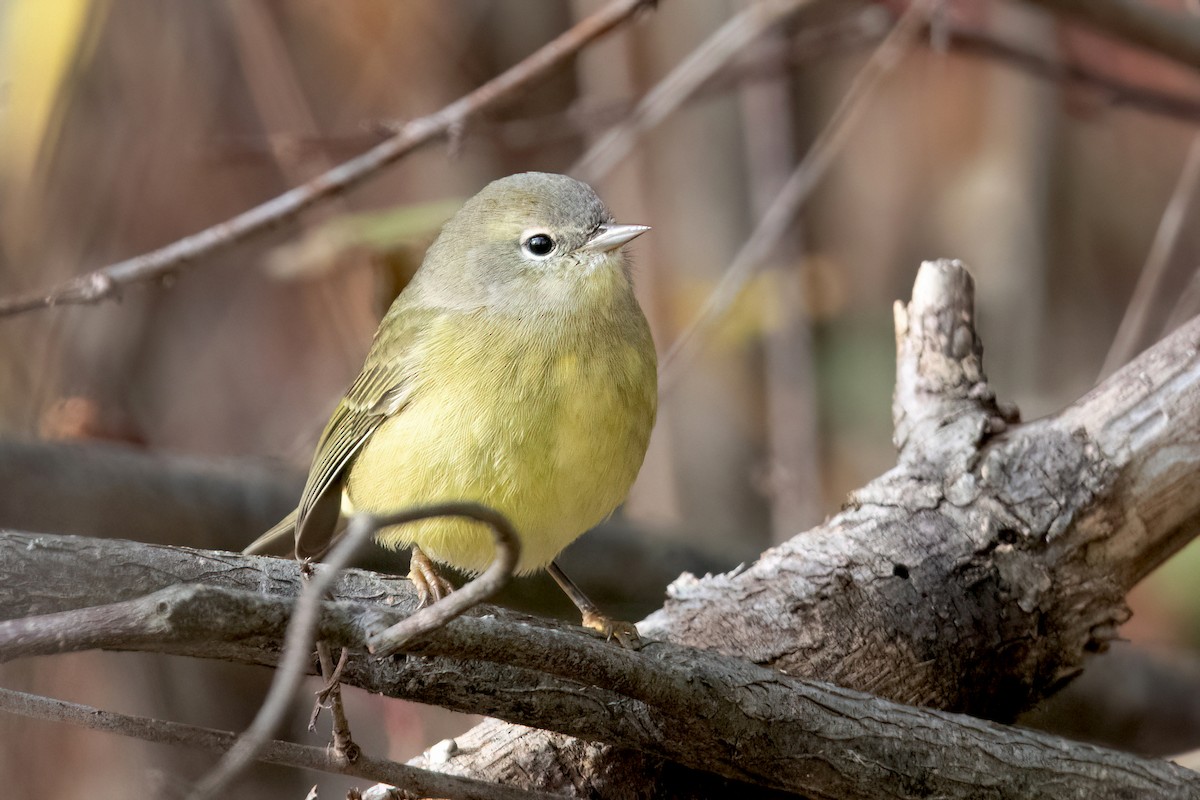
{"x": 538, "y": 245}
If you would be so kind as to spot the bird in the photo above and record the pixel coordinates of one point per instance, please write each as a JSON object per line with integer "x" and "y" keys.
{"x": 516, "y": 370}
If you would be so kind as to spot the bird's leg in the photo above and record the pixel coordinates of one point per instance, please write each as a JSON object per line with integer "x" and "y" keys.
{"x": 430, "y": 586}
{"x": 602, "y": 625}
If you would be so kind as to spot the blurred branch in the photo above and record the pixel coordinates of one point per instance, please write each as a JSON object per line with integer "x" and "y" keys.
{"x": 420, "y": 782}
{"x": 106, "y": 283}
{"x": 708, "y": 701}
{"x": 682, "y": 82}
{"x": 122, "y": 492}
{"x": 783, "y": 209}
{"x": 979, "y": 44}
{"x": 1133, "y": 328}
{"x": 1176, "y": 36}
{"x": 791, "y": 474}
{"x": 280, "y": 104}
{"x": 119, "y": 491}
{"x": 1131, "y": 698}
{"x": 730, "y": 68}
{"x": 766, "y": 61}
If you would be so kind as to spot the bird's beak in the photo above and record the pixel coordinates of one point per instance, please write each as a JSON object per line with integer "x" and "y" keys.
{"x": 610, "y": 237}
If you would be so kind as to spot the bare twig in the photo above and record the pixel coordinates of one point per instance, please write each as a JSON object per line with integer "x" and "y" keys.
{"x": 683, "y": 82}
{"x": 508, "y": 549}
{"x": 783, "y": 209}
{"x": 765, "y": 61}
{"x": 420, "y": 782}
{"x": 1139, "y": 23}
{"x": 1115, "y": 92}
{"x": 1134, "y": 323}
{"x": 344, "y": 746}
{"x": 1186, "y": 306}
{"x": 298, "y": 642}
{"x": 107, "y": 282}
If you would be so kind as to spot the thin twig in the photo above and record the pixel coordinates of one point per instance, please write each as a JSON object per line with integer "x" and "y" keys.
{"x": 1138, "y": 23}
{"x": 783, "y": 209}
{"x": 1134, "y": 323}
{"x": 422, "y": 782}
{"x": 499, "y": 573}
{"x": 344, "y": 746}
{"x": 763, "y": 62}
{"x": 1186, "y": 307}
{"x": 976, "y": 43}
{"x": 300, "y": 632}
{"x": 683, "y": 82}
{"x": 107, "y": 282}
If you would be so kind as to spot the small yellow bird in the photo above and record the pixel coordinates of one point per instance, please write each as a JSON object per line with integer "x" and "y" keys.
{"x": 516, "y": 370}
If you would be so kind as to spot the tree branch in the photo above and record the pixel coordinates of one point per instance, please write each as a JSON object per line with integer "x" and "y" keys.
{"x": 1114, "y": 91}
{"x": 288, "y": 754}
{"x": 107, "y": 282}
{"x": 1176, "y": 36}
{"x": 723, "y": 714}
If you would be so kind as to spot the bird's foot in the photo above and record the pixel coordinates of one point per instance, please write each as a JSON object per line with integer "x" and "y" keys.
{"x": 430, "y": 585}
{"x": 607, "y": 628}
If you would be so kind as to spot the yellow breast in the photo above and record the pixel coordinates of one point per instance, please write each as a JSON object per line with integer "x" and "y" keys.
{"x": 548, "y": 427}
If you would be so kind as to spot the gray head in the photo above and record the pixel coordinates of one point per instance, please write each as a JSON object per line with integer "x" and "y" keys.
{"x": 526, "y": 227}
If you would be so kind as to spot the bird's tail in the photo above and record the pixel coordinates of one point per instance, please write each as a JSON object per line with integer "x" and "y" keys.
{"x": 279, "y": 541}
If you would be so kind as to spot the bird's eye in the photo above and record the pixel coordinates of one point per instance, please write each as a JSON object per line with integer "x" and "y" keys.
{"x": 539, "y": 245}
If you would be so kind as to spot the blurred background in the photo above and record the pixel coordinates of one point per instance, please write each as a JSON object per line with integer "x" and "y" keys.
{"x": 1042, "y": 155}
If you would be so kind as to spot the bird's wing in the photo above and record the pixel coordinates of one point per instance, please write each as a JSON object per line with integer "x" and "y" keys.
{"x": 381, "y": 390}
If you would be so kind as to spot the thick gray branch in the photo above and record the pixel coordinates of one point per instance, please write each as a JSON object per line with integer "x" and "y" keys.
{"x": 696, "y": 708}
{"x": 995, "y": 556}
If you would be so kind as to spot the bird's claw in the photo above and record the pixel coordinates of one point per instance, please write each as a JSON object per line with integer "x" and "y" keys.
{"x": 430, "y": 586}
{"x": 606, "y": 628}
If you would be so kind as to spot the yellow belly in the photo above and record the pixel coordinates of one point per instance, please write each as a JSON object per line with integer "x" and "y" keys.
{"x": 552, "y": 437}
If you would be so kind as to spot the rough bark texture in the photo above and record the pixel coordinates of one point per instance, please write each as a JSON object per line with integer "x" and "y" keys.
{"x": 694, "y": 708}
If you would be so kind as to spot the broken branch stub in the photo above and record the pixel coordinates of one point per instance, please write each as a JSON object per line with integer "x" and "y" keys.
{"x": 966, "y": 578}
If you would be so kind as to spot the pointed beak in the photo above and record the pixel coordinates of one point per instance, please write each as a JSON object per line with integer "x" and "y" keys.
{"x": 610, "y": 237}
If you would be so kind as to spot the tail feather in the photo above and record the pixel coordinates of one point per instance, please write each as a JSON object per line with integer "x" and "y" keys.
{"x": 279, "y": 541}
